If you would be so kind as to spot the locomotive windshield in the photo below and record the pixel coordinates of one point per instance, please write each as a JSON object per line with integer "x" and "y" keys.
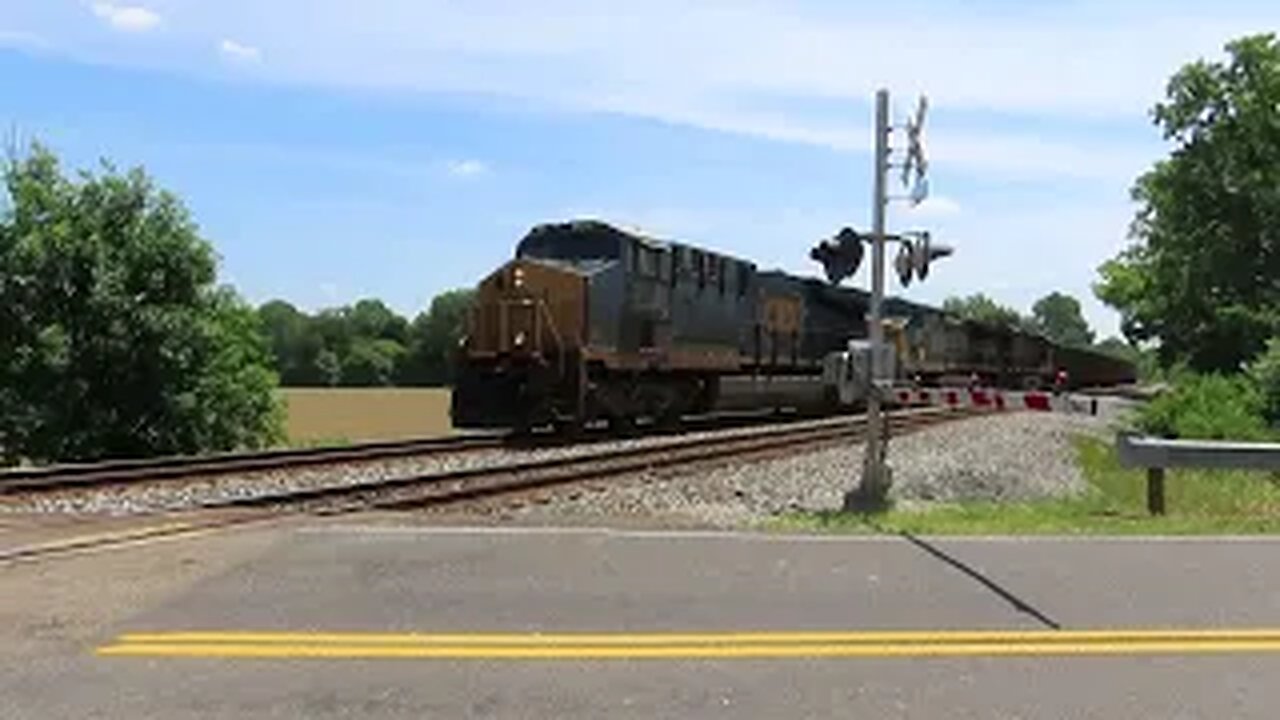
{"x": 572, "y": 242}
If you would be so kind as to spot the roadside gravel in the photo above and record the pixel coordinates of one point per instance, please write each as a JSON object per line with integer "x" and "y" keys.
{"x": 1006, "y": 457}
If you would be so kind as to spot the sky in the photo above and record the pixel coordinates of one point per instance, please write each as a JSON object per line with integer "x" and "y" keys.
{"x": 332, "y": 149}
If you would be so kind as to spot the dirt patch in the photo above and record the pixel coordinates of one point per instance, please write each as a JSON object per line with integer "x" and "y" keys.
{"x": 359, "y": 414}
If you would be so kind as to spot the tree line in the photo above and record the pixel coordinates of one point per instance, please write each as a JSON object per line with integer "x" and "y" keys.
{"x": 365, "y": 344}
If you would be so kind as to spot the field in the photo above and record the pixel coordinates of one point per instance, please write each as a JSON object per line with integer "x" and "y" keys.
{"x": 334, "y": 415}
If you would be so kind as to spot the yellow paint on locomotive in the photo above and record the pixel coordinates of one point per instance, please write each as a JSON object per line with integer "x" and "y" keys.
{"x": 527, "y": 308}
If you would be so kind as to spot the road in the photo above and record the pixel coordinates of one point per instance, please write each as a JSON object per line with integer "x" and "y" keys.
{"x": 386, "y": 617}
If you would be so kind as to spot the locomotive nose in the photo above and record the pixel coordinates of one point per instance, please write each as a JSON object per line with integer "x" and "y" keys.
{"x": 526, "y": 309}
{"x": 526, "y": 322}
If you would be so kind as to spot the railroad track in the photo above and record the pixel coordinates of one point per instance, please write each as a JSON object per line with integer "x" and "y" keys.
{"x": 512, "y": 478}
{"x": 60, "y": 477}
{"x": 88, "y": 475}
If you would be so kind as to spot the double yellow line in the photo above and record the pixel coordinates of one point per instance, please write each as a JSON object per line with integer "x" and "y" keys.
{"x": 579, "y": 646}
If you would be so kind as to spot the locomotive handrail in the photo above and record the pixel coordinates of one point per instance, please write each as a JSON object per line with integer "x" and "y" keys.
{"x": 544, "y": 310}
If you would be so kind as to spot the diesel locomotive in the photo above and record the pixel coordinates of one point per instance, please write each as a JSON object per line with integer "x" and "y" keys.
{"x": 592, "y": 322}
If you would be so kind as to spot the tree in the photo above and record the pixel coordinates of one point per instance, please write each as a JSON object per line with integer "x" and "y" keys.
{"x": 980, "y": 308}
{"x": 372, "y": 362}
{"x": 434, "y": 336}
{"x": 287, "y": 331}
{"x": 116, "y": 340}
{"x": 1058, "y": 317}
{"x": 1202, "y": 277}
{"x": 370, "y": 318}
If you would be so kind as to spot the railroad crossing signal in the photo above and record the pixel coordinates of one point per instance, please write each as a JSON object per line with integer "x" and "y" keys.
{"x": 915, "y": 254}
{"x": 841, "y": 255}
{"x": 916, "y": 163}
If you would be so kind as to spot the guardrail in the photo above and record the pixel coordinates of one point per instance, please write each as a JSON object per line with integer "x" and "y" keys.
{"x": 1157, "y": 454}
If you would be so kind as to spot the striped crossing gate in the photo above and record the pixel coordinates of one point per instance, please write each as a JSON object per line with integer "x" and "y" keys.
{"x": 993, "y": 399}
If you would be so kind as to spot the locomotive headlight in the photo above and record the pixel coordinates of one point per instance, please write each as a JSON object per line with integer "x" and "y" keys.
{"x": 517, "y": 277}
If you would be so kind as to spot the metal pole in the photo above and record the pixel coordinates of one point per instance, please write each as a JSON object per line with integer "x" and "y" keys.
{"x": 872, "y": 492}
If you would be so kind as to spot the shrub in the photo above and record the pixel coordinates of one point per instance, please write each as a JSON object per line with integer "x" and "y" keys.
{"x": 1209, "y": 407}
{"x": 1265, "y": 373}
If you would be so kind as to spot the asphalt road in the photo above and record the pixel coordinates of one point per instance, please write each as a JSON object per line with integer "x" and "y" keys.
{"x": 382, "y": 619}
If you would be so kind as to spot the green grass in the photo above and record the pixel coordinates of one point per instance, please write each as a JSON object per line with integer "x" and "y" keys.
{"x": 309, "y": 443}
{"x": 1196, "y": 502}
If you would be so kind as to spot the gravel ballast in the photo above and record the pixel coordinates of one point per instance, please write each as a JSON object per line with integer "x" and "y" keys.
{"x": 193, "y": 492}
{"x": 1007, "y": 457}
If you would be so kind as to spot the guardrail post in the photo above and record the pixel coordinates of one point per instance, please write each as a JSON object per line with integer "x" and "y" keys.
{"x": 1155, "y": 490}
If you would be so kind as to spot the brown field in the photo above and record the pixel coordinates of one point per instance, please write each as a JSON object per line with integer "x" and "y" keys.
{"x": 360, "y": 414}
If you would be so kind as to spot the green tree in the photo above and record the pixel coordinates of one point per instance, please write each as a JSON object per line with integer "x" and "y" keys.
{"x": 293, "y": 343}
{"x": 1057, "y": 316}
{"x": 116, "y": 340}
{"x": 980, "y": 308}
{"x": 372, "y": 319}
{"x": 1202, "y": 277}
{"x": 372, "y": 362}
{"x": 434, "y": 338}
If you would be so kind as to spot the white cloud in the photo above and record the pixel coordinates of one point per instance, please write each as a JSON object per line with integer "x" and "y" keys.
{"x": 467, "y": 168}
{"x": 239, "y": 52}
{"x": 126, "y": 18}
{"x": 800, "y": 72}
{"x": 13, "y": 38}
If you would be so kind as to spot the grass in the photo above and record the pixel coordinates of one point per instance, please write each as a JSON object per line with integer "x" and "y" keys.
{"x": 309, "y": 443}
{"x": 1196, "y": 502}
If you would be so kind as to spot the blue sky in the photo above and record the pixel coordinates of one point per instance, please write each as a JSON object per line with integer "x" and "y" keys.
{"x": 395, "y": 148}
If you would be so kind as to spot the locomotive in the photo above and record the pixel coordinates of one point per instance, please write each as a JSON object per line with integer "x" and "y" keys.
{"x": 592, "y": 322}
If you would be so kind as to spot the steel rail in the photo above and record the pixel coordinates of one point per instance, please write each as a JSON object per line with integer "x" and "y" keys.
{"x": 55, "y": 477}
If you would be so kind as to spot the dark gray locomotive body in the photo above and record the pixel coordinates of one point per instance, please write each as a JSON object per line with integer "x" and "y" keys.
{"x": 592, "y": 322}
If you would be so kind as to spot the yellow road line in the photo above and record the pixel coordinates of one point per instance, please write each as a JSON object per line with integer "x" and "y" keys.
{"x": 711, "y": 638}
{"x": 730, "y": 651}
{"x": 118, "y": 537}
{"x": 246, "y": 644}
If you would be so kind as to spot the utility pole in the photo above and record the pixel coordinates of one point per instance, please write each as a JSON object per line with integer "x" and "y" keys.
{"x": 872, "y": 492}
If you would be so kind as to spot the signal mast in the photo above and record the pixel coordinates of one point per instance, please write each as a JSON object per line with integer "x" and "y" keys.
{"x": 840, "y": 257}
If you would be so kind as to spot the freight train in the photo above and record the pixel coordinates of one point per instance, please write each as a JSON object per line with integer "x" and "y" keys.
{"x": 592, "y": 322}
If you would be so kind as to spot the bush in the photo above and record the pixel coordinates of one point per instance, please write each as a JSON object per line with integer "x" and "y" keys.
{"x": 1209, "y": 407}
{"x": 1265, "y": 373}
{"x": 115, "y": 340}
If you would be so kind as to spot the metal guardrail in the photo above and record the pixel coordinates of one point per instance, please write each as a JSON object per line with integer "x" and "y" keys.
{"x": 1157, "y": 454}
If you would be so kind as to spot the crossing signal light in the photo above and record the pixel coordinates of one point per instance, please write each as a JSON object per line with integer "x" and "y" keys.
{"x": 840, "y": 256}
{"x": 904, "y": 263}
{"x": 915, "y": 255}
